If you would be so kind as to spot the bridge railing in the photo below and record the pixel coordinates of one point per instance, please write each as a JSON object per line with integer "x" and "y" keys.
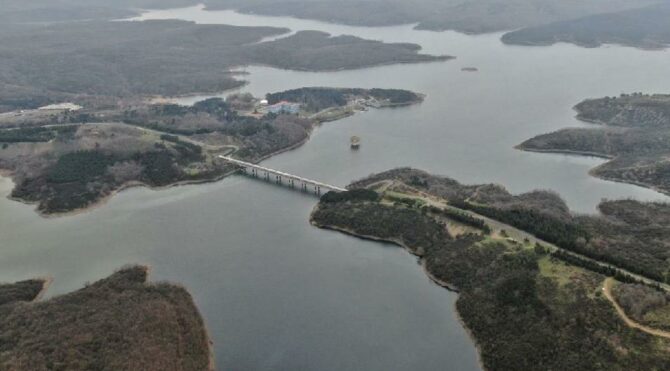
{"x": 280, "y": 176}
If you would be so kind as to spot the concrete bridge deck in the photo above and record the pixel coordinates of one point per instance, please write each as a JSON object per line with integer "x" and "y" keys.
{"x": 280, "y": 176}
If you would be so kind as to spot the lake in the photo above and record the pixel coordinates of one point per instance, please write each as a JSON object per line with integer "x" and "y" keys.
{"x": 278, "y": 294}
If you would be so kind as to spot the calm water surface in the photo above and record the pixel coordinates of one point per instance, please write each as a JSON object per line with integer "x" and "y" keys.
{"x": 279, "y": 294}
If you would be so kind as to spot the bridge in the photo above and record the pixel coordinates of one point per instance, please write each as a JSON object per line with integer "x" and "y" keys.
{"x": 279, "y": 177}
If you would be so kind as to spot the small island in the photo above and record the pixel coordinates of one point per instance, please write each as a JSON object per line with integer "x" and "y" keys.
{"x": 634, "y": 135}
{"x": 67, "y": 160}
{"x": 537, "y": 284}
{"x": 118, "y": 323}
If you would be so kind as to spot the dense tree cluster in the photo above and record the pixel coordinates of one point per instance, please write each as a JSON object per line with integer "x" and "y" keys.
{"x": 80, "y": 166}
{"x": 77, "y": 179}
{"x": 461, "y": 217}
{"x": 351, "y": 195}
{"x": 628, "y": 234}
{"x": 312, "y": 99}
{"x": 216, "y": 107}
{"x": 394, "y": 96}
{"x": 594, "y": 267}
{"x": 36, "y": 134}
{"x": 317, "y": 99}
{"x": 159, "y": 168}
{"x": 385, "y": 222}
{"x": 567, "y": 235}
{"x": 20, "y": 291}
{"x": 585, "y": 236}
{"x": 205, "y": 117}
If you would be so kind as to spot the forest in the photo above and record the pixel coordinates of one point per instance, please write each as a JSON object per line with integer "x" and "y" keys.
{"x": 37, "y": 134}
{"x": 352, "y": 195}
{"x": 316, "y": 99}
{"x": 102, "y": 327}
{"x": 461, "y": 217}
{"x": 567, "y": 235}
{"x": 103, "y": 61}
{"x": 472, "y": 17}
{"x": 78, "y": 179}
{"x": 645, "y": 27}
{"x": 23, "y": 291}
{"x": 514, "y": 301}
{"x": 628, "y": 234}
{"x": 403, "y": 224}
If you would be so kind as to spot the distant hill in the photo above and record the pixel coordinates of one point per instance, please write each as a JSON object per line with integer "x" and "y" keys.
{"x": 648, "y": 27}
{"x": 65, "y": 61}
{"x": 473, "y": 16}
{"x": 470, "y": 16}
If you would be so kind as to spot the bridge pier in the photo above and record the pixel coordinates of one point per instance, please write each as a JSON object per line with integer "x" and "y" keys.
{"x": 305, "y": 184}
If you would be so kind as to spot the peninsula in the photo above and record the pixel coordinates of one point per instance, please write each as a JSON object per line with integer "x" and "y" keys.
{"x": 634, "y": 134}
{"x": 66, "y": 160}
{"x": 531, "y": 276}
{"x": 118, "y": 323}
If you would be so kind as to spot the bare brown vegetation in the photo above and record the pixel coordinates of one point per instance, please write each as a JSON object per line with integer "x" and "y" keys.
{"x": 118, "y": 323}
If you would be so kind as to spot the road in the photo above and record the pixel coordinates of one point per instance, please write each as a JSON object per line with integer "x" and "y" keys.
{"x": 607, "y": 291}
{"x": 497, "y": 227}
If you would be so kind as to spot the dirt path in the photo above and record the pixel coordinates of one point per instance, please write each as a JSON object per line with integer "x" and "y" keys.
{"x": 607, "y": 290}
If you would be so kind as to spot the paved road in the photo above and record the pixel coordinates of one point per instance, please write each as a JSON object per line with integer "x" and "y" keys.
{"x": 519, "y": 235}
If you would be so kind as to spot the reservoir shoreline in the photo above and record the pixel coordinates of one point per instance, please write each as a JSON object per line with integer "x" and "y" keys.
{"x": 422, "y": 262}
